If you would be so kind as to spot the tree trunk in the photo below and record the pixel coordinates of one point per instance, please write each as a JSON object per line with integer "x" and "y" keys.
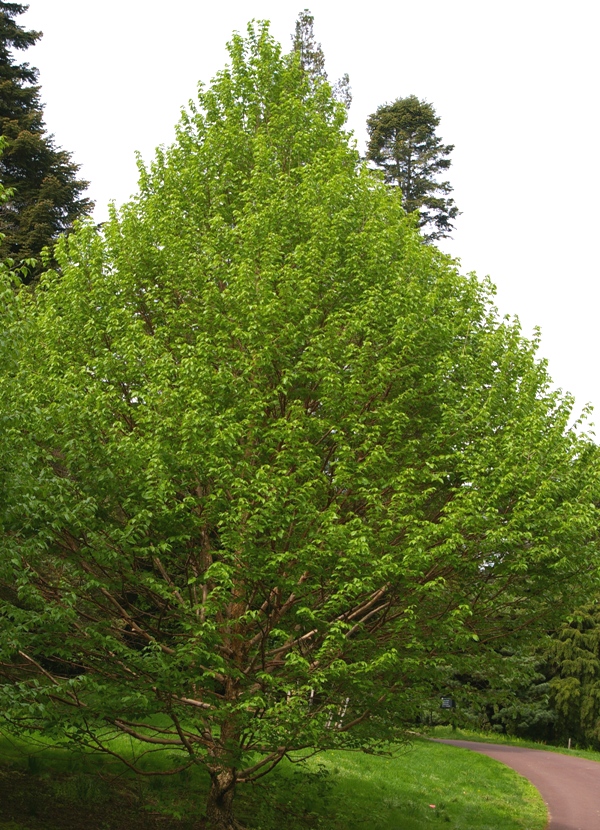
{"x": 219, "y": 807}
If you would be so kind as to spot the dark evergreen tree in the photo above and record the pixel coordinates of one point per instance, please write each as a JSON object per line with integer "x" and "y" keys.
{"x": 312, "y": 57}
{"x": 574, "y": 665}
{"x": 45, "y": 193}
{"x": 402, "y": 141}
{"x": 556, "y": 695}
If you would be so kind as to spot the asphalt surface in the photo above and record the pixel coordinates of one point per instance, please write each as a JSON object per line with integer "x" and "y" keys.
{"x": 570, "y": 786}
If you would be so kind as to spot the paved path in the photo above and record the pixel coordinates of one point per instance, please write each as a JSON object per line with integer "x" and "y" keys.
{"x": 570, "y": 786}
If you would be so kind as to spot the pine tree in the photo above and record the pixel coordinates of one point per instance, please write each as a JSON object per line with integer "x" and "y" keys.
{"x": 402, "y": 141}
{"x": 312, "y": 58}
{"x": 574, "y": 662}
{"x": 45, "y": 193}
{"x": 561, "y": 697}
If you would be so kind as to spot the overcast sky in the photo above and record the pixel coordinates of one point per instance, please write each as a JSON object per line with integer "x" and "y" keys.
{"x": 515, "y": 85}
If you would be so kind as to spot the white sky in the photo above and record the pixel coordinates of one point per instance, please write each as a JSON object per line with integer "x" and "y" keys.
{"x": 515, "y": 85}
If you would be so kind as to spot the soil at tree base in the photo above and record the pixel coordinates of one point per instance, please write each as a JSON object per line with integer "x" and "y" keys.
{"x": 31, "y": 802}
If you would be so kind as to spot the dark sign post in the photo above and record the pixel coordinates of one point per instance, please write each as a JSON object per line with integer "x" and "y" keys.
{"x": 449, "y": 704}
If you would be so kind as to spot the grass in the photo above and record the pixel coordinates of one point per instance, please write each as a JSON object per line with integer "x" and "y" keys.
{"x": 499, "y": 738}
{"x": 424, "y": 785}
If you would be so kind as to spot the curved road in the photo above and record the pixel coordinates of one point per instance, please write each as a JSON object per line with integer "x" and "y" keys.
{"x": 570, "y": 786}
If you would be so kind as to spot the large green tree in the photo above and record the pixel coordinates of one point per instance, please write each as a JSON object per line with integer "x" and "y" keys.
{"x": 404, "y": 144}
{"x": 45, "y": 193}
{"x": 291, "y": 469}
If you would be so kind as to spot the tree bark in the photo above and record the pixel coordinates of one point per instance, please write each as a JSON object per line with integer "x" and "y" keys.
{"x": 219, "y": 807}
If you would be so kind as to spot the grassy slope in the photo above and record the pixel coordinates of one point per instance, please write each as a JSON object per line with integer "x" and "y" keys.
{"x": 467, "y": 791}
{"x": 55, "y": 790}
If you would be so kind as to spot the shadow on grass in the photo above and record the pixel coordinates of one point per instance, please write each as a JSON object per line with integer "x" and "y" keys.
{"x": 424, "y": 785}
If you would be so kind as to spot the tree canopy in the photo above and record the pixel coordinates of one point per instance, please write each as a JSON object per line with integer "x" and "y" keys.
{"x": 404, "y": 144}
{"x": 41, "y": 179}
{"x": 290, "y": 469}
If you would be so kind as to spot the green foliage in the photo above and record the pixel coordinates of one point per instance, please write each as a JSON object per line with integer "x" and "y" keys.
{"x": 573, "y": 667}
{"x": 45, "y": 195}
{"x": 523, "y": 709}
{"x": 290, "y": 473}
{"x": 507, "y": 693}
{"x": 403, "y": 143}
{"x": 555, "y": 693}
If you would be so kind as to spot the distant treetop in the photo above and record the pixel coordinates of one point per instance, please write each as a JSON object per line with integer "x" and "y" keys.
{"x": 403, "y": 143}
{"x": 312, "y": 57}
{"x": 41, "y": 179}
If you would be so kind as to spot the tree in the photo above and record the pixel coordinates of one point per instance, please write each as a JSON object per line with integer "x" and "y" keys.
{"x": 561, "y": 698}
{"x": 312, "y": 58}
{"x": 402, "y": 141}
{"x": 573, "y": 669}
{"x": 292, "y": 467}
{"x": 45, "y": 195}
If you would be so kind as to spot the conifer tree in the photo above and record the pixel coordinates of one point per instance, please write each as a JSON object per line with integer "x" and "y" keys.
{"x": 559, "y": 694}
{"x": 574, "y": 665}
{"x": 403, "y": 143}
{"x": 45, "y": 193}
{"x": 312, "y": 58}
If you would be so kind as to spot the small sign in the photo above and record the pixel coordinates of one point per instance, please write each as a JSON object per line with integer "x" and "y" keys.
{"x": 447, "y": 703}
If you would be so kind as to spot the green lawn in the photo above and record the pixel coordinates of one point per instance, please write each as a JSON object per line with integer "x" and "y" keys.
{"x": 423, "y": 785}
{"x": 432, "y": 784}
{"x": 498, "y": 738}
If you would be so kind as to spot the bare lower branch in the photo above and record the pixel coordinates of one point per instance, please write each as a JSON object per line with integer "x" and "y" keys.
{"x": 145, "y": 738}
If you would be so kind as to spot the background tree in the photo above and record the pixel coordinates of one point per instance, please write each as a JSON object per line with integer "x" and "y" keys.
{"x": 572, "y": 667}
{"x": 312, "y": 58}
{"x": 45, "y": 194}
{"x": 292, "y": 469}
{"x": 403, "y": 142}
{"x": 559, "y": 697}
